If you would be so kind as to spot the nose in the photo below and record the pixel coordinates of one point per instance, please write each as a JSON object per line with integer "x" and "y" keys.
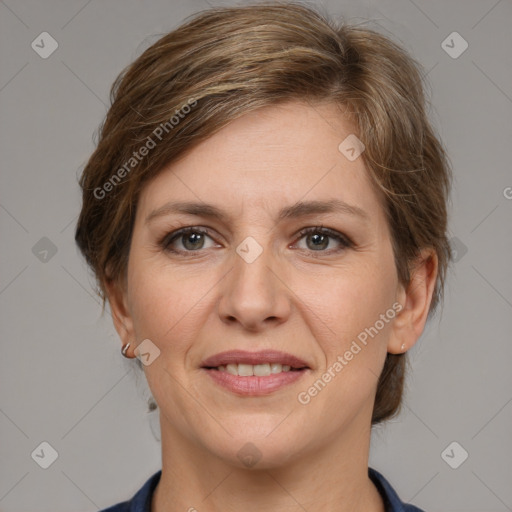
{"x": 255, "y": 293}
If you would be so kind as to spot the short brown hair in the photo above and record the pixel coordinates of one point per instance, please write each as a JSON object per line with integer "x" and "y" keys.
{"x": 225, "y": 62}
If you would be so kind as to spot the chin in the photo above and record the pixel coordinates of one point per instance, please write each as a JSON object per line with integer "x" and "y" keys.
{"x": 259, "y": 451}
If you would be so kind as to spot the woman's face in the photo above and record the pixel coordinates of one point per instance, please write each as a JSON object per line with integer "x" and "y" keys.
{"x": 251, "y": 281}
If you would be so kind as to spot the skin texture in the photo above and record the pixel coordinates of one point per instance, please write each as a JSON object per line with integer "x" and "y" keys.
{"x": 296, "y": 298}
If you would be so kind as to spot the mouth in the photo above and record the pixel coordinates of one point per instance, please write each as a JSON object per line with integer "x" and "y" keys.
{"x": 261, "y": 364}
{"x": 258, "y": 370}
{"x": 254, "y": 373}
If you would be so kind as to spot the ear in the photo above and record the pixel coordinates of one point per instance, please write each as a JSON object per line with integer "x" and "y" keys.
{"x": 117, "y": 298}
{"x": 415, "y": 299}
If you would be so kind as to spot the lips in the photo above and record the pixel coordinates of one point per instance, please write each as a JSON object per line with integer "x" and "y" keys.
{"x": 254, "y": 373}
{"x": 242, "y": 357}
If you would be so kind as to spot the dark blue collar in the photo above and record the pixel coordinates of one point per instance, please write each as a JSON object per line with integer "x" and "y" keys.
{"x": 141, "y": 502}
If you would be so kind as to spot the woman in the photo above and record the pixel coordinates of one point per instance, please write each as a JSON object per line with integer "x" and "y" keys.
{"x": 266, "y": 215}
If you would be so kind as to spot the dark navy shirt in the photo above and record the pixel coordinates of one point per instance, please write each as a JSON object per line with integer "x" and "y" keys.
{"x": 141, "y": 501}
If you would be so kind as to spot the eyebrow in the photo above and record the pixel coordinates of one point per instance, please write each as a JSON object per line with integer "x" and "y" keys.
{"x": 297, "y": 210}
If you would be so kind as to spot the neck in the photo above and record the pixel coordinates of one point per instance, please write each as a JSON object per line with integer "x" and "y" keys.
{"x": 333, "y": 478}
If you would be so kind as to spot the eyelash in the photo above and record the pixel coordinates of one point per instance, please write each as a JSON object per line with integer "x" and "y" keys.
{"x": 169, "y": 238}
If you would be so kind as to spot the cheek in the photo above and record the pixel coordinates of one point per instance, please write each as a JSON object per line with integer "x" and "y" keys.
{"x": 159, "y": 303}
{"x": 171, "y": 308}
{"x": 352, "y": 338}
{"x": 347, "y": 307}
{"x": 165, "y": 310}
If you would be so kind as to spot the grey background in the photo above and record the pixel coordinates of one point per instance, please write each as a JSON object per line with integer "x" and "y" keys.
{"x": 63, "y": 379}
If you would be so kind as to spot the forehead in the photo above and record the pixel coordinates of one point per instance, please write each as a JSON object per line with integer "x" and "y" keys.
{"x": 267, "y": 159}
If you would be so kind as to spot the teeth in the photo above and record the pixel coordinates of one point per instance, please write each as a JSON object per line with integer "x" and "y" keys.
{"x": 276, "y": 368}
{"x": 232, "y": 368}
{"x": 245, "y": 370}
{"x": 260, "y": 370}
